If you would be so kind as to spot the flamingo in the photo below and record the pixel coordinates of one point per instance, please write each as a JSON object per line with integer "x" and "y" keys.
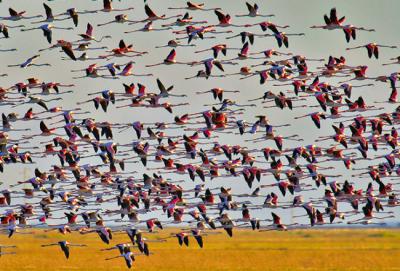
{"x": 88, "y": 36}
{"x": 226, "y": 20}
{"x": 395, "y": 62}
{"x": 47, "y": 30}
{"x": 120, "y": 18}
{"x": 127, "y": 71}
{"x": 185, "y": 20}
{"x": 315, "y": 117}
{"x": 245, "y": 35}
{"x": 169, "y": 60}
{"x": 271, "y": 26}
{"x": 253, "y": 11}
{"x": 50, "y": 17}
{"x": 203, "y": 74}
{"x": 332, "y": 21}
{"x": 372, "y": 49}
{"x": 7, "y": 125}
{"x": 127, "y": 255}
{"x": 194, "y": 6}
{"x": 350, "y": 31}
{"x": 65, "y": 247}
{"x": 107, "y": 7}
{"x": 218, "y": 92}
{"x": 16, "y": 16}
{"x": 216, "y": 50}
{"x": 30, "y": 62}
{"x": 4, "y": 29}
{"x": 123, "y": 50}
{"x": 74, "y": 15}
{"x": 153, "y": 16}
{"x": 282, "y": 38}
{"x": 174, "y": 44}
{"x": 147, "y": 28}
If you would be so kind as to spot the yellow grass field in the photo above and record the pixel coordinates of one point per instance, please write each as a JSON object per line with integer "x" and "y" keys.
{"x": 316, "y": 249}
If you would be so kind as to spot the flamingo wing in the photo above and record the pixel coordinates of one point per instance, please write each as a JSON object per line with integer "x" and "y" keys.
{"x": 286, "y": 41}
{"x": 127, "y": 68}
{"x": 186, "y": 240}
{"x": 276, "y": 218}
{"x": 48, "y": 34}
{"x": 75, "y": 18}
{"x": 69, "y": 52}
{"x": 249, "y": 7}
{"x": 347, "y": 33}
{"x": 218, "y": 65}
{"x": 107, "y": 4}
{"x": 376, "y": 52}
{"x": 199, "y": 240}
{"x": 333, "y": 16}
{"x": 251, "y": 38}
{"x": 278, "y": 38}
{"x": 245, "y": 49}
{"x": 353, "y": 33}
{"x": 327, "y": 20}
{"x": 65, "y": 249}
{"x": 42, "y": 104}
{"x": 5, "y": 120}
{"x": 4, "y": 30}
{"x": 273, "y": 28}
{"x": 370, "y": 50}
{"x": 128, "y": 262}
{"x": 89, "y": 30}
{"x": 49, "y": 12}
{"x": 220, "y": 15}
{"x": 150, "y": 13}
{"x": 161, "y": 86}
{"x": 122, "y": 44}
{"x": 12, "y": 12}
{"x": 171, "y": 56}
{"x": 315, "y": 118}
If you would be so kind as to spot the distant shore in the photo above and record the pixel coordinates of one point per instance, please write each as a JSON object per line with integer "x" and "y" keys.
{"x": 315, "y": 249}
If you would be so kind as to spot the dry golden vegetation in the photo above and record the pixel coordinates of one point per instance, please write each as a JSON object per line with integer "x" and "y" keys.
{"x": 329, "y": 249}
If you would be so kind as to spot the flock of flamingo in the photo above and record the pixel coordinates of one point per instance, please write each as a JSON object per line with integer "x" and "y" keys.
{"x": 170, "y": 172}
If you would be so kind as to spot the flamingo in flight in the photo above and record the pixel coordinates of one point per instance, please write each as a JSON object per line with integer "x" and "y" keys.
{"x": 169, "y": 60}
{"x": 120, "y": 18}
{"x": 152, "y": 16}
{"x": 4, "y": 29}
{"x": 174, "y": 44}
{"x": 127, "y": 71}
{"x": 47, "y": 30}
{"x": 253, "y": 11}
{"x": 50, "y": 17}
{"x": 225, "y": 20}
{"x": 16, "y": 16}
{"x": 397, "y": 61}
{"x": 185, "y": 20}
{"x": 65, "y": 247}
{"x": 88, "y": 36}
{"x": 194, "y": 6}
{"x": 148, "y": 27}
{"x": 30, "y": 62}
{"x": 128, "y": 256}
{"x": 107, "y": 7}
{"x": 332, "y": 21}
{"x": 372, "y": 48}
